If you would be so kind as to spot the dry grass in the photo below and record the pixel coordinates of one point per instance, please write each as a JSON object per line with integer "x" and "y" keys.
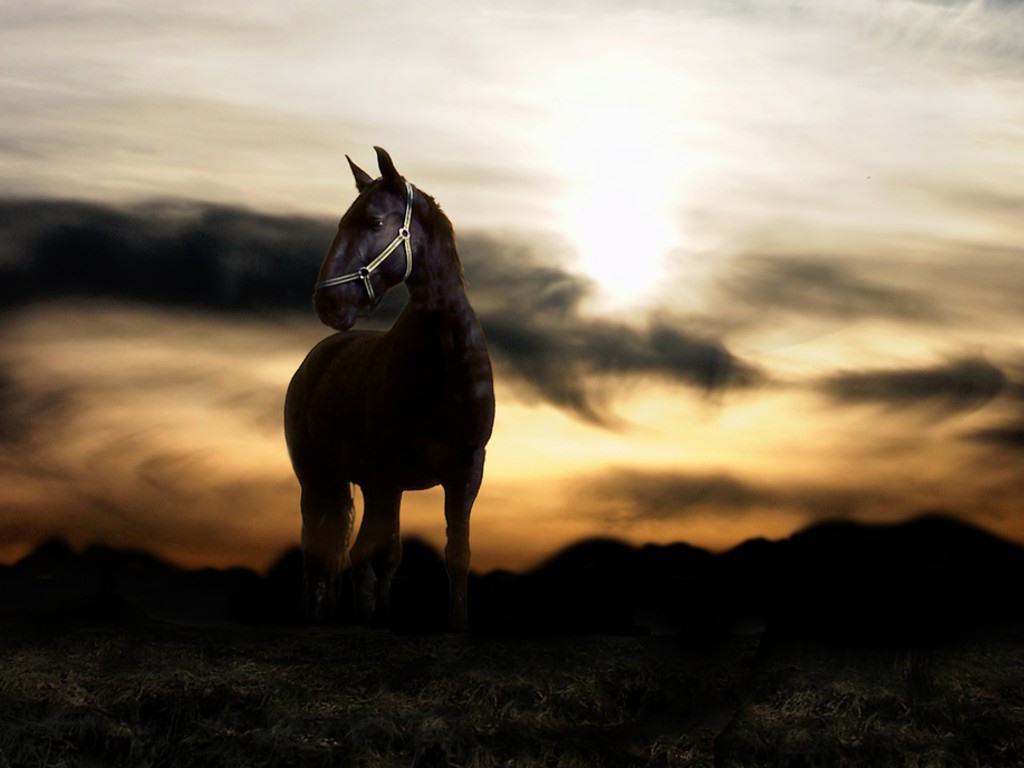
{"x": 172, "y": 696}
{"x": 167, "y": 695}
{"x": 945, "y": 706}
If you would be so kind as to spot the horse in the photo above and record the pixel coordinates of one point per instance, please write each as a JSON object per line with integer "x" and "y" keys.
{"x": 406, "y": 409}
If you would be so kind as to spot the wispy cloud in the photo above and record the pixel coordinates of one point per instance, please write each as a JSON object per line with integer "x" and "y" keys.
{"x": 758, "y": 288}
{"x": 624, "y": 495}
{"x": 956, "y": 385}
{"x": 1008, "y": 436}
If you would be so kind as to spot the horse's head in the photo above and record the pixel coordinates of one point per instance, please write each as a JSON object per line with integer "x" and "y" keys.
{"x": 378, "y": 239}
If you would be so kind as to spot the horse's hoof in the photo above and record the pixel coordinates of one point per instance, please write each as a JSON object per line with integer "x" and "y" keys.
{"x": 318, "y": 602}
{"x": 366, "y": 613}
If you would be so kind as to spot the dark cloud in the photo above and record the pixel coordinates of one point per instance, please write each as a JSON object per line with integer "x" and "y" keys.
{"x": 228, "y": 259}
{"x": 625, "y": 495}
{"x": 558, "y": 357}
{"x": 661, "y": 496}
{"x": 1008, "y": 436}
{"x": 956, "y": 385}
{"x": 168, "y": 253}
{"x": 828, "y": 288}
{"x": 931, "y": 282}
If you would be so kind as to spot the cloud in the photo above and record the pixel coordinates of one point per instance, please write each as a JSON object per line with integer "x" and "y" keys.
{"x": 23, "y": 410}
{"x": 666, "y": 495}
{"x": 958, "y": 385}
{"x": 1009, "y": 436}
{"x": 229, "y": 259}
{"x": 824, "y": 287}
{"x": 558, "y": 357}
{"x": 629, "y": 495}
{"x": 187, "y": 254}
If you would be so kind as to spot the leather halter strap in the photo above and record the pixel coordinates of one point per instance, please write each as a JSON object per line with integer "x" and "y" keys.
{"x": 364, "y": 273}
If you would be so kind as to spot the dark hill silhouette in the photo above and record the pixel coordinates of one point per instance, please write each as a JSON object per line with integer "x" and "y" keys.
{"x": 597, "y": 585}
{"x": 930, "y": 577}
{"x": 931, "y": 574}
{"x": 54, "y": 585}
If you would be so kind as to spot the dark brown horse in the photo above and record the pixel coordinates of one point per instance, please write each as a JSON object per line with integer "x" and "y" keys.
{"x": 407, "y": 409}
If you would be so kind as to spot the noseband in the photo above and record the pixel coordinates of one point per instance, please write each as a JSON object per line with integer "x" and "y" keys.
{"x": 363, "y": 273}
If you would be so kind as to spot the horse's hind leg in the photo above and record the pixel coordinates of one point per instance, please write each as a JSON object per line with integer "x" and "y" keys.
{"x": 326, "y": 528}
{"x": 376, "y": 554}
{"x": 459, "y": 495}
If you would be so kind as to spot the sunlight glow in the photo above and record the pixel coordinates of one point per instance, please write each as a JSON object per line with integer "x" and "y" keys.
{"x": 619, "y": 222}
{"x": 616, "y": 150}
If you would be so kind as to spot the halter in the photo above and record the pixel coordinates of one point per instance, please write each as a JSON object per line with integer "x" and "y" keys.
{"x": 363, "y": 273}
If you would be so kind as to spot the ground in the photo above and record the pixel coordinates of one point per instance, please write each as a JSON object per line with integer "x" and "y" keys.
{"x": 144, "y": 692}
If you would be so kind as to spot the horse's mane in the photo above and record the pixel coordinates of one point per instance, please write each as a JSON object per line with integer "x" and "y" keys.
{"x": 441, "y": 225}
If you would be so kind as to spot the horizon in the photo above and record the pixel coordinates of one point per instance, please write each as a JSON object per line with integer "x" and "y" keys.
{"x": 742, "y": 268}
{"x": 930, "y": 518}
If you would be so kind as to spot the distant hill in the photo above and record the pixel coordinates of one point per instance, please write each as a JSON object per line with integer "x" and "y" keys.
{"x": 930, "y": 576}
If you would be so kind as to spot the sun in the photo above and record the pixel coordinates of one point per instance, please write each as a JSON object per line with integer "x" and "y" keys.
{"x": 620, "y": 227}
{"x": 615, "y": 141}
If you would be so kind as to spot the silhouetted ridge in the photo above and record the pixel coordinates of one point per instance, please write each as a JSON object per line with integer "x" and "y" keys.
{"x": 52, "y": 555}
{"x": 847, "y": 581}
{"x": 275, "y": 601}
{"x": 932, "y": 575}
{"x": 419, "y": 593}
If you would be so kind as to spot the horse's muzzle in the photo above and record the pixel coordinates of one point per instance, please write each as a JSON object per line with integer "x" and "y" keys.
{"x": 333, "y": 313}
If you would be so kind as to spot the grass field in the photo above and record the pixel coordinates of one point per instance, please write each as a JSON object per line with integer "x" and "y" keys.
{"x": 151, "y": 693}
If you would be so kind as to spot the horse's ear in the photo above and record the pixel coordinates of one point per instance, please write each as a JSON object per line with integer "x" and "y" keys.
{"x": 363, "y": 179}
{"x": 387, "y": 168}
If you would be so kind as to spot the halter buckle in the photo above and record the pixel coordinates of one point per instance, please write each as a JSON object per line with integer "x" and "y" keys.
{"x": 403, "y": 232}
{"x": 363, "y": 272}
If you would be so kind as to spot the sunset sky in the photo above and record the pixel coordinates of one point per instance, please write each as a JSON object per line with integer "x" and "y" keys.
{"x": 742, "y": 265}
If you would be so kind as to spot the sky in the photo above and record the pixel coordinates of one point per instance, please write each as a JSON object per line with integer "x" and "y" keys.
{"x": 742, "y": 266}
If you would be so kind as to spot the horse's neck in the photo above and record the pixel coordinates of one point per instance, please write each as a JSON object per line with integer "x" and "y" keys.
{"x": 441, "y": 291}
{"x": 441, "y": 347}
{"x": 437, "y": 290}
{"x": 450, "y": 314}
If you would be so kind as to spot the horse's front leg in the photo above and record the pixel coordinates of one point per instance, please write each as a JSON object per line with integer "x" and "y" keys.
{"x": 459, "y": 494}
{"x": 377, "y": 554}
{"x": 326, "y": 526}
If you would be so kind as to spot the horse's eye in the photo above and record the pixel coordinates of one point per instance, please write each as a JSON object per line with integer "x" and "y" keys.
{"x": 376, "y": 222}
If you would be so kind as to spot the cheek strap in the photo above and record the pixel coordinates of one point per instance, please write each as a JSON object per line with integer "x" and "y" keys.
{"x": 364, "y": 273}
